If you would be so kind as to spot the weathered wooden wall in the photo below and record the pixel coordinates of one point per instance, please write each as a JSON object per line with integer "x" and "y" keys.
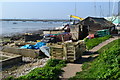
{"x": 78, "y": 31}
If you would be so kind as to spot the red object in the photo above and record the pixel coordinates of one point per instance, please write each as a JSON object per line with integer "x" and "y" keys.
{"x": 66, "y": 37}
{"x": 91, "y": 36}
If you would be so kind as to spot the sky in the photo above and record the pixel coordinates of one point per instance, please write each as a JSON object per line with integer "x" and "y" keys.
{"x": 55, "y": 10}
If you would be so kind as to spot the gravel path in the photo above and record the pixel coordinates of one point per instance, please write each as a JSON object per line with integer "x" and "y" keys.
{"x": 71, "y": 68}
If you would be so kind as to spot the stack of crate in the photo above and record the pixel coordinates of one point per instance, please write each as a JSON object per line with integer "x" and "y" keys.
{"x": 69, "y": 51}
{"x": 56, "y": 50}
{"x": 74, "y": 50}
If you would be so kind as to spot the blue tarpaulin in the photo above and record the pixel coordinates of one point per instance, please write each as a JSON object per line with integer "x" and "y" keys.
{"x": 39, "y": 44}
{"x": 36, "y": 46}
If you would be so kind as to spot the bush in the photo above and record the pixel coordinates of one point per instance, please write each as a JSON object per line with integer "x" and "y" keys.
{"x": 90, "y": 43}
{"x": 106, "y": 66}
{"x": 50, "y": 71}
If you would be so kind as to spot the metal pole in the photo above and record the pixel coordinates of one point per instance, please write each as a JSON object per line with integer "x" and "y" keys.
{"x": 95, "y": 8}
{"x": 75, "y": 11}
{"x": 119, "y": 8}
{"x": 109, "y": 8}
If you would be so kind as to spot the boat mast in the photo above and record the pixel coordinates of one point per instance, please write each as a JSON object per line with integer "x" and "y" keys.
{"x": 109, "y": 8}
{"x": 94, "y": 8}
{"x": 75, "y": 9}
{"x": 119, "y": 8}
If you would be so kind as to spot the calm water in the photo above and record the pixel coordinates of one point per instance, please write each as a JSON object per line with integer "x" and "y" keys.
{"x": 9, "y": 28}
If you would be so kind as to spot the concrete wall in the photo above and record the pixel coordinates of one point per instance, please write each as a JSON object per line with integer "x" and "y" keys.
{"x": 24, "y": 52}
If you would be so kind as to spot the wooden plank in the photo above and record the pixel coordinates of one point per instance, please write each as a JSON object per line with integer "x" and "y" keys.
{"x": 70, "y": 51}
{"x": 70, "y": 54}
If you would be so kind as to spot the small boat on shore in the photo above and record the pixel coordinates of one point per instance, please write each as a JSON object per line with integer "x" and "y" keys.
{"x": 14, "y": 23}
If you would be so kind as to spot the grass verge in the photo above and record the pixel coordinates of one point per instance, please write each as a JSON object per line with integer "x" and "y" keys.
{"x": 90, "y": 43}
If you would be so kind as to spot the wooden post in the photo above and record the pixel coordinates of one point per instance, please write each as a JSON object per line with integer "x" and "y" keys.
{"x": 62, "y": 39}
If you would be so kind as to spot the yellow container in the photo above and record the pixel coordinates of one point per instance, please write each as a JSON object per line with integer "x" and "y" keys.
{"x": 38, "y": 40}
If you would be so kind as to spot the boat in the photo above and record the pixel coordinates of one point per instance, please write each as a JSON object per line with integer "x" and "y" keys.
{"x": 14, "y": 23}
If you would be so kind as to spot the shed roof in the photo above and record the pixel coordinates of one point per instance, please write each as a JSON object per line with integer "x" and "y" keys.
{"x": 101, "y": 21}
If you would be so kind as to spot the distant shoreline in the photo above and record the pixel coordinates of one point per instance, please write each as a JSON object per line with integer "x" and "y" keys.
{"x": 44, "y": 20}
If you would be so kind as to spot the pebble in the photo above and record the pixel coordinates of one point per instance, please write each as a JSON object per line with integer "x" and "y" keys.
{"x": 27, "y": 67}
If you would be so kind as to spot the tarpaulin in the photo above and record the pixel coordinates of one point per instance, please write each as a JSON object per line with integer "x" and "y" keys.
{"x": 36, "y": 46}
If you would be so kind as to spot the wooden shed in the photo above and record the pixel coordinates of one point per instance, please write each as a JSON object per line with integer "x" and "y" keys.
{"x": 95, "y": 24}
{"x": 78, "y": 31}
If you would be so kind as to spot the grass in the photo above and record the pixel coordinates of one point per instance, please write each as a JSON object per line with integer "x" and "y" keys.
{"x": 106, "y": 66}
{"x": 50, "y": 71}
{"x": 90, "y": 43}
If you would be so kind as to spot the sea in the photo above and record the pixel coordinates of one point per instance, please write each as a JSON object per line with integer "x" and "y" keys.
{"x": 8, "y": 28}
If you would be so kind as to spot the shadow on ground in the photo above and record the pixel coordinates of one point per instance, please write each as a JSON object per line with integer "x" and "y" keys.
{"x": 86, "y": 57}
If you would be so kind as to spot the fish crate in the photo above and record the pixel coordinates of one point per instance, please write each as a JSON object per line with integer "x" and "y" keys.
{"x": 57, "y": 51}
{"x": 73, "y": 50}
{"x": 69, "y": 51}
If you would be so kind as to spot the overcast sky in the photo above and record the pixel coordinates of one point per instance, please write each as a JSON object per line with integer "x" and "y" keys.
{"x": 56, "y": 10}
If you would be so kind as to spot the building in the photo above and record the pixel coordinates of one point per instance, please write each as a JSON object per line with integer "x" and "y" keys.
{"x": 78, "y": 31}
{"x": 94, "y": 24}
